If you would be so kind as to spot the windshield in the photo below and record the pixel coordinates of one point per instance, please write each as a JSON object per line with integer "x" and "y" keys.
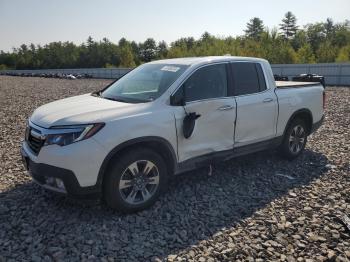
{"x": 145, "y": 83}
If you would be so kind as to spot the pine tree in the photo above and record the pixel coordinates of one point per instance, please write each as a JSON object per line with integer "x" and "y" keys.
{"x": 289, "y": 25}
{"x": 255, "y": 28}
{"x": 162, "y": 49}
{"x": 329, "y": 27}
{"x": 148, "y": 50}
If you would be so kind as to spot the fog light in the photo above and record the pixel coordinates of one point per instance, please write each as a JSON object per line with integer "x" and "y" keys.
{"x": 60, "y": 184}
{"x": 50, "y": 181}
{"x": 55, "y": 182}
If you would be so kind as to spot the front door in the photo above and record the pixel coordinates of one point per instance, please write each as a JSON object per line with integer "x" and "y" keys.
{"x": 206, "y": 95}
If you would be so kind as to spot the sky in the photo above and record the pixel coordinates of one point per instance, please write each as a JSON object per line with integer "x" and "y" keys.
{"x": 44, "y": 21}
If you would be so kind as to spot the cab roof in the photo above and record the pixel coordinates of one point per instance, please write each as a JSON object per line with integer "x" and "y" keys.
{"x": 206, "y": 59}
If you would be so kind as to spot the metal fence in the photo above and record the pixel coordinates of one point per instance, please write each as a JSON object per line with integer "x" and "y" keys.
{"x": 334, "y": 73}
{"x": 108, "y": 73}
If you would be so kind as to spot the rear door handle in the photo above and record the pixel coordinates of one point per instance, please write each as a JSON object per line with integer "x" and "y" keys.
{"x": 225, "y": 107}
{"x": 267, "y": 100}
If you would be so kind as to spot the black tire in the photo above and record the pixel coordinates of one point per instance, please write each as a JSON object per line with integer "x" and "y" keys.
{"x": 291, "y": 150}
{"x": 118, "y": 198}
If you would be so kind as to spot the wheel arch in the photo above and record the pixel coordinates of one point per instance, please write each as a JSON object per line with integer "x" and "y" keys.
{"x": 305, "y": 114}
{"x": 158, "y": 144}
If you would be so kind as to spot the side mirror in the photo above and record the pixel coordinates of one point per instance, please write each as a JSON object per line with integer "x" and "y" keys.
{"x": 188, "y": 124}
{"x": 178, "y": 99}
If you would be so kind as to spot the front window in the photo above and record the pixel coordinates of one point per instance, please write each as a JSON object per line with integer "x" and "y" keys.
{"x": 207, "y": 82}
{"x": 145, "y": 83}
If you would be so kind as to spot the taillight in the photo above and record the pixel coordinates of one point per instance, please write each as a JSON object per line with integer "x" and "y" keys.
{"x": 324, "y": 100}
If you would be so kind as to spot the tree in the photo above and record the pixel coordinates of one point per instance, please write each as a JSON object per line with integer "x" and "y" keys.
{"x": 109, "y": 53}
{"x": 299, "y": 40}
{"x": 289, "y": 25}
{"x": 206, "y": 37}
{"x": 326, "y": 52}
{"x": 255, "y": 27}
{"x": 189, "y": 42}
{"x": 305, "y": 55}
{"x": 148, "y": 50}
{"x": 287, "y": 55}
{"x": 318, "y": 42}
{"x": 162, "y": 49}
{"x": 344, "y": 54}
{"x": 136, "y": 52}
{"x": 342, "y": 34}
{"x": 123, "y": 42}
{"x": 329, "y": 28}
{"x": 3, "y": 67}
{"x": 315, "y": 34}
{"x": 126, "y": 57}
{"x": 90, "y": 41}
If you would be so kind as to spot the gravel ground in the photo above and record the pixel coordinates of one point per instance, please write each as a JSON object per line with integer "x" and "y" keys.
{"x": 253, "y": 208}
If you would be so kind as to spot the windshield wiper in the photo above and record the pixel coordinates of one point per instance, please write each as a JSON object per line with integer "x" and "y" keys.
{"x": 97, "y": 93}
{"x": 115, "y": 99}
{"x": 120, "y": 99}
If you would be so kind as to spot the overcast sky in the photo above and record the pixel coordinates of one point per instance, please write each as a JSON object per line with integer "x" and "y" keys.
{"x": 44, "y": 21}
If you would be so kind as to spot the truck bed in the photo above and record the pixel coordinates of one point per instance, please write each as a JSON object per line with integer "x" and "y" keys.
{"x": 294, "y": 84}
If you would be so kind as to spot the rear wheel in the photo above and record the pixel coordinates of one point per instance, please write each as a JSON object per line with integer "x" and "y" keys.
{"x": 135, "y": 181}
{"x": 294, "y": 140}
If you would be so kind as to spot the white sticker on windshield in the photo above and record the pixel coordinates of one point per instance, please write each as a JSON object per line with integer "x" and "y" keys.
{"x": 170, "y": 68}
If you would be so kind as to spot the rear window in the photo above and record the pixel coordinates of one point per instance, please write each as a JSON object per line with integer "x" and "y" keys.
{"x": 262, "y": 83}
{"x": 248, "y": 78}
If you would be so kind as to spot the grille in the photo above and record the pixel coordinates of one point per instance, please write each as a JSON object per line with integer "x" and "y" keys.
{"x": 34, "y": 143}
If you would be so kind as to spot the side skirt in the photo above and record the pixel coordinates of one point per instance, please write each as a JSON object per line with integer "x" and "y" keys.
{"x": 216, "y": 157}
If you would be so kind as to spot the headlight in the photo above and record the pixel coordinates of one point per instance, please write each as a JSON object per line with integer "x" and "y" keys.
{"x": 65, "y": 135}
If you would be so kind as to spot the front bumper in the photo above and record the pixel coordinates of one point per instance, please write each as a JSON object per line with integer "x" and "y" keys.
{"x": 41, "y": 173}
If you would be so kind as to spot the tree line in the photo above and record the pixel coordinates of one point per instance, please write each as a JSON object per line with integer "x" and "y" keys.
{"x": 321, "y": 42}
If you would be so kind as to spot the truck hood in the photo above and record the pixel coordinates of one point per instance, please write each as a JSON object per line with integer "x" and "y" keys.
{"x": 83, "y": 109}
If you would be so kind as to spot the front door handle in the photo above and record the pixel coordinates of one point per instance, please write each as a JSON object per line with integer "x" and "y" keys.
{"x": 267, "y": 100}
{"x": 225, "y": 107}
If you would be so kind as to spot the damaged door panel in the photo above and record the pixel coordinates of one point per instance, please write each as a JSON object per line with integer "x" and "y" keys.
{"x": 206, "y": 98}
{"x": 213, "y": 130}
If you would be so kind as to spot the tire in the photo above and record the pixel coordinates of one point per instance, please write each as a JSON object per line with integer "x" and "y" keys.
{"x": 135, "y": 181}
{"x": 294, "y": 140}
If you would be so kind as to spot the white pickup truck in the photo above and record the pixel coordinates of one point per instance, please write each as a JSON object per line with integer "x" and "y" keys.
{"x": 163, "y": 118}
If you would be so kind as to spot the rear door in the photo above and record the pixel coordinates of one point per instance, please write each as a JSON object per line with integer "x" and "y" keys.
{"x": 257, "y": 105}
{"x": 206, "y": 92}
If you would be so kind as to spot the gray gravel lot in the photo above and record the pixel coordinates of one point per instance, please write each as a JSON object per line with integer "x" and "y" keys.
{"x": 253, "y": 208}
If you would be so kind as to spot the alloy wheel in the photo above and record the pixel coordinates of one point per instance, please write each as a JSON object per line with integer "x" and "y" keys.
{"x": 139, "y": 182}
{"x": 297, "y": 139}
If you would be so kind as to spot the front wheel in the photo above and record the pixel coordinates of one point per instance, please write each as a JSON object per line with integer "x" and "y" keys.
{"x": 294, "y": 139}
{"x": 135, "y": 180}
